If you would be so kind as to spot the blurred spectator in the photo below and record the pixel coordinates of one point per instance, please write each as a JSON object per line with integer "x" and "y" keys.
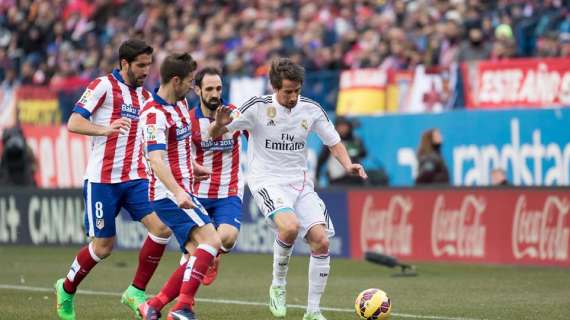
{"x": 43, "y": 39}
{"x": 476, "y": 47}
{"x": 431, "y": 166}
{"x": 17, "y": 163}
{"x": 336, "y": 174}
{"x": 499, "y": 177}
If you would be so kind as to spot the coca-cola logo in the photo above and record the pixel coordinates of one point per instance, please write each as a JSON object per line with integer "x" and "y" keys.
{"x": 541, "y": 233}
{"x": 387, "y": 230}
{"x": 458, "y": 232}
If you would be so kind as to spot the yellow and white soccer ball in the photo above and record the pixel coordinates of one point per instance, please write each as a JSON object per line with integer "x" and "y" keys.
{"x": 373, "y": 304}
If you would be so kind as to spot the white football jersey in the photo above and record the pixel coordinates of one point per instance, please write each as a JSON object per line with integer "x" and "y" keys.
{"x": 277, "y": 145}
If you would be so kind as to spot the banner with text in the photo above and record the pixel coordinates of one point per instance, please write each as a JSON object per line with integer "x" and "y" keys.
{"x": 504, "y": 226}
{"x": 517, "y": 83}
{"x": 56, "y": 217}
{"x": 533, "y": 146}
{"x": 61, "y": 156}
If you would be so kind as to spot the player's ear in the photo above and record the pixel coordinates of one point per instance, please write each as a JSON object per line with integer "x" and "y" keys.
{"x": 197, "y": 90}
{"x": 123, "y": 64}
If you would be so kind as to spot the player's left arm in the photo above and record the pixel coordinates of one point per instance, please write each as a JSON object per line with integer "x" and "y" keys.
{"x": 339, "y": 152}
{"x": 324, "y": 128}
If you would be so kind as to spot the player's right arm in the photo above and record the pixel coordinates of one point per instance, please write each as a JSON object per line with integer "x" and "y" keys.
{"x": 78, "y": 124}
{"x": 93, "y": 97}
{"x": 163, "y": 172}
{"x": 228, "y": 119}
{"x": 153, "y": 125}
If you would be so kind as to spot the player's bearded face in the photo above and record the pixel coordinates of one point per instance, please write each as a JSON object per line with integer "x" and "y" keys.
{"x": 137, "y": 71}
{"x": 211, "y": 103}
{"x": 210, "y": 92}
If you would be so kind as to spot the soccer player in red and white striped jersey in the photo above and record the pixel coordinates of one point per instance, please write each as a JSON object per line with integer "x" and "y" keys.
{"x": 222, "y": 194}
{"x": 116, "y": 175}
{"x": 167, "y": 129}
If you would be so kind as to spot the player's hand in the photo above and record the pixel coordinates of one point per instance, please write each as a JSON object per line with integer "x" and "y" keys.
{"x": 223, "y": 116}
{"x": 356, "y": 169}
{"x": 121, "y": 125}
{"x": 201, "y": 173}
{"x": 183, "y": 200}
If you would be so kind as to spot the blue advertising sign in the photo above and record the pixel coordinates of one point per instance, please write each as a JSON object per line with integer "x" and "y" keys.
{"x": 533, "y": 146}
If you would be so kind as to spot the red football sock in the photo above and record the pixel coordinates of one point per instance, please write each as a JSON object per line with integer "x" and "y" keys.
{"x": 83, "y": 263}
{"x": 170, "y": 290}
{"x": 193, "y": 275}
{"x": 149, "y": 257}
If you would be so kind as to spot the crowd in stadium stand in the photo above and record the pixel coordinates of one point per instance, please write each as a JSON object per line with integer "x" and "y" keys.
{"x": 65, "y": 43}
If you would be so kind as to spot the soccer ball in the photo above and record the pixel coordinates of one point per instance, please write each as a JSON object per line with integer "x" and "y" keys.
{"x": 373, "y": 304}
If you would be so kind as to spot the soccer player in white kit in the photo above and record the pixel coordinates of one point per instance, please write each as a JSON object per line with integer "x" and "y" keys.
{"x": 278, "y": 127}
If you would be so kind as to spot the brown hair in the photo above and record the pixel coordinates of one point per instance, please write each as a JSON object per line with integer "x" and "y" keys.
{"x": 285, "y": 68}
{"x": 177, "y": 65}
{"x": 132, "y": 48}
{"x": 426, "y": 144}
{"x": 202, "y": 73}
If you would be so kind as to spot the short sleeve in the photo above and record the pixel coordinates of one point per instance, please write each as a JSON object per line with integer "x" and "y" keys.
{"x": 93, "y": 97}
{"x": 324, "y": 128}
{"x": 244, "y": 116}
{"x": 154, "y": 126}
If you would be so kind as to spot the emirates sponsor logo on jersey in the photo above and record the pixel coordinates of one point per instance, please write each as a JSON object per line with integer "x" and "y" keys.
{"x": 541, "y": 233}
{"x": 182, "y": 131}
{"x": 220, "y": 145}
{"x": 387, "y": 229}
{"x": 287, "y": 143}
{"x": 129, "y": 111}
{"x": 458, "y": 231}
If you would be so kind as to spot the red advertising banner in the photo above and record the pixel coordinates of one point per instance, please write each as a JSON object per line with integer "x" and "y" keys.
{"x": 61, "y": 156}
{"x": 504, "y": 226}
{"x": 517, "y": 83}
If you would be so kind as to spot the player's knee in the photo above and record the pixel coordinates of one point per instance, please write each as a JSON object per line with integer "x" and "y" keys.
{"x": 215, "y": 242}
{"x": 212, "y": 238}
{"x": 160, "y": 230}
{"x": 103, "y": 249}
{"x": 289, "y": 231}
{"x": 228, "y": 242}
{"x": 320, "y": 244}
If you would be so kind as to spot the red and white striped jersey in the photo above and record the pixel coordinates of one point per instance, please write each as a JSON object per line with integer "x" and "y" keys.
{"x": 221, "y": 155}
{"x": 168, "y": 127}
{"x": 119, "y": 157}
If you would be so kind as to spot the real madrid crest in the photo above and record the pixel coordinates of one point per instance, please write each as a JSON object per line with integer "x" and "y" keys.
{"x": 305, "y": 124}
{"x": 271, "y": 112}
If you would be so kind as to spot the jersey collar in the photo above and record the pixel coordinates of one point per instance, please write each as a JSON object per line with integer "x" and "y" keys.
{"x": 119, "y": 77}
{"x": 274, "y": 99}
{"x": 199, "y": 113}
{"x": 159, "y": 99}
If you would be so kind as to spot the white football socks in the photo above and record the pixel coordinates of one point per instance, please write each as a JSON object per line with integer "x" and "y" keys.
{"x": 319, "y": 268}
{"x": 281, "y": 255}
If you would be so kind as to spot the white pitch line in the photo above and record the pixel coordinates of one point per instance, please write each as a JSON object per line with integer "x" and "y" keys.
{"x": 237, "y": 302}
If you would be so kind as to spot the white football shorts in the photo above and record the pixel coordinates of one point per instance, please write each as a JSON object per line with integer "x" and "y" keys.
{"x": 300, "y": 198}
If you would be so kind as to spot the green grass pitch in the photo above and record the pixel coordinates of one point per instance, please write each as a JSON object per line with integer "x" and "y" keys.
{"x": 441, "y": 291}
